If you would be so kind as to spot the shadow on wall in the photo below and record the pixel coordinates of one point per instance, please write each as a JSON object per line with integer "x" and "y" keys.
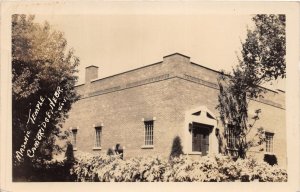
{"x": 176, "y": 150}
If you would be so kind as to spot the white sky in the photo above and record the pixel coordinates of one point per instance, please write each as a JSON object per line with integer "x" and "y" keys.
{"x": 117, "y": 43}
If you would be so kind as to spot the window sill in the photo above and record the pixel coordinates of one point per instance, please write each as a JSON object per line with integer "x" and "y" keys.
{"x": 195, "y": 153}
{"x": 75, "y": 149}
{"x": 96, "y": 148}
{"x": 269, "y": 153}
{"x": 231, "y": 149}
{"x": 147, "y": 146}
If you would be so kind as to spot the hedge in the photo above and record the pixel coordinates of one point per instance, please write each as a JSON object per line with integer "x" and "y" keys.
{"x": 217, "y": 168}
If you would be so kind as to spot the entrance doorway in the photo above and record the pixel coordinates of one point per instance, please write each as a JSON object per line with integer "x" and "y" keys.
{"x": 200, "y": 138}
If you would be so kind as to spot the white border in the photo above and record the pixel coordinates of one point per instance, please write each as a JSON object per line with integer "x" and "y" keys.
{"x": 291, "y": 9}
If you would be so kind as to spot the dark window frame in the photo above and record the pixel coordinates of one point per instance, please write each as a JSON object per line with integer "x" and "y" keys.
{"x": 74, "y": 137}
{"x": 269, "y": 142}
{"x": 98, "y": 137}
{"x": 149, "y": 133}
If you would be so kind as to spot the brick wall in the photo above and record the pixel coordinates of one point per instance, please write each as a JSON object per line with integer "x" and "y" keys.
{"x": 165, "y": 90}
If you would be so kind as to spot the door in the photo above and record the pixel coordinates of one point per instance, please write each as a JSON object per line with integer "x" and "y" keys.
{"x": 200, "y": 141}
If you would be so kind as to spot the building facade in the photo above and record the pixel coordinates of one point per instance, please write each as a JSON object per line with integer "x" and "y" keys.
{"x": 143, "y": 110}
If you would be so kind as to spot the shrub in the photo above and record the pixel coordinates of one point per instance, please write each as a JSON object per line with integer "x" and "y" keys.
{"x": 69, "y": 153}
{"x": 50, "y": 171}
{"x": 110, "y": 152}
{"x": 270, "y": 159}
{"x": 183, "y": 168}
{"x": 54, "y": 170}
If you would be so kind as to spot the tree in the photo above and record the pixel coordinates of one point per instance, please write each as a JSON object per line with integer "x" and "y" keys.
{"x": 263, "y": 52}
{"x": 43, "y": 79}
{"x": 176, "y": 150}
{"x": 233, "y": 108}
{"x": 69, "y": 154}
{"x": 262, "y": 60}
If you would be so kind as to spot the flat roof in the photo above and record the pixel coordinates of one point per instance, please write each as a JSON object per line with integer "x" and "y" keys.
{"x": 160, "y": 62}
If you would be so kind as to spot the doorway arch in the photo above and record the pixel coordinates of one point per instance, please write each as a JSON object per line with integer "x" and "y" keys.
{"x": 199, "y": 127}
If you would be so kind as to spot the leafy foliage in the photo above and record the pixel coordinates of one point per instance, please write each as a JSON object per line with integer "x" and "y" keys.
{"x": 264, "y": 50}
{"x": 46, "y": 171}
{"x": 181, "y": 169}
{"x": 110, "y": 151}
{"x": 41, "y": 62}
{"x": 263, "y": 60}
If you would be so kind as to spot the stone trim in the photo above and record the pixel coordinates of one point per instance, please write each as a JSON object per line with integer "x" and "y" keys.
{"x": 157, "y": 63}
{"x": 176, "y": 54}
{"x": 147, "y": 147}
{"x": 100, "y": 124}
{"x": 130, "y": 85}
{"x": 74, "y": 128}
{"x": 201, "y": 81}
{"x": 194, "y": 153}
{"x": 168, "y": 76}
{"x": 149, "y": 119}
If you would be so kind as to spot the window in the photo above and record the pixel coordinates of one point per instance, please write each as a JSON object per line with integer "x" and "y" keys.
{"x": 231, "y": 137}
{"x": 74, "y": 138}
{"x": 231, "y": 141}
{"x": 269, "y": 142}
{"x": 98, "y": 132}
{"x": 148, "y": 133}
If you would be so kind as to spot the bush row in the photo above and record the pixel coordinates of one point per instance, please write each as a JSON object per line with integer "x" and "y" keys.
{"x": 155, "y": 169}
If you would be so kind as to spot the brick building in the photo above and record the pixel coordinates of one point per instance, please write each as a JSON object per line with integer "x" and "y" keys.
{"x": 145, "y": 108}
